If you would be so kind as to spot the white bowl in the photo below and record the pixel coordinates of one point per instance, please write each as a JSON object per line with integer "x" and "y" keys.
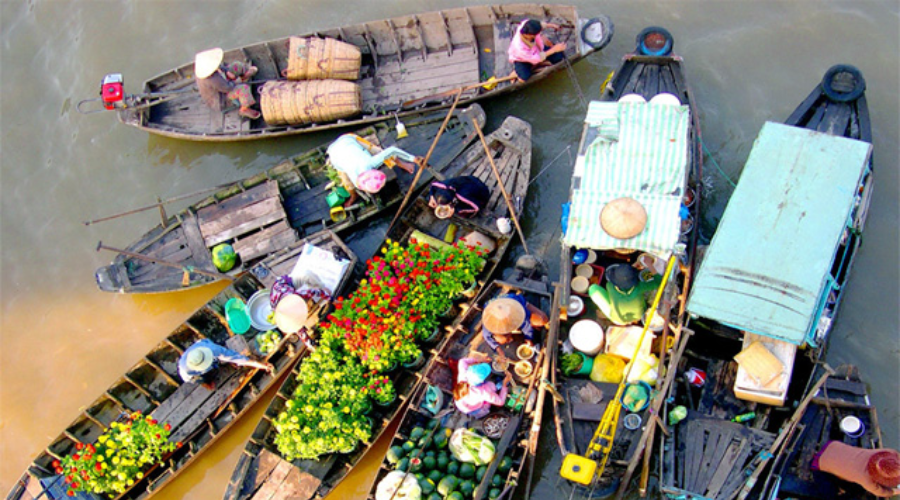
{"x": 632, "y": 98}
{"x": 587, "y": 336}
{"x": 666, "y": 99}
{"x": 259, "y": 309}
{"x": 580, "y": 284}
{"x": 576, "y": 306}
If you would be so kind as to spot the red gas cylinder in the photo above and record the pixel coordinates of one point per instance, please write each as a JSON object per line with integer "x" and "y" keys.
{"x": 112, "y": 90}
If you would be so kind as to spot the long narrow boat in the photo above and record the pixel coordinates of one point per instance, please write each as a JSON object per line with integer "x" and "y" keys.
{"x": 197, "y": 416}
{"x": 262, "y": 472}
{"x": 406, "y": 64}
{"x": 641, "y": 141}
{"x": 766, "y": 297}
{"x": 508, "y": 426}
{"x": 270, "y": 210}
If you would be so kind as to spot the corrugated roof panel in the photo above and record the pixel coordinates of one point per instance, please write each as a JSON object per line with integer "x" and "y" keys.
{"x": 769, "y": 260}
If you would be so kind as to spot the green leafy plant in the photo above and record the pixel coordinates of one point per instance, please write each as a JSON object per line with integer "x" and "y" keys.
{"x": 570, "y": 363}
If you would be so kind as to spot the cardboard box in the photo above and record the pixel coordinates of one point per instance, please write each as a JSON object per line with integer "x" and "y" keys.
{"x": 773, "y": 393}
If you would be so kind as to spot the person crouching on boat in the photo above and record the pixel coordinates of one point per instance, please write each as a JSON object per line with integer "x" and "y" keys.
{"x": 528, "y": 51}
{"x": 624, "y": 300}
{"x": 507, "y": 316}
{"x": 878, "y": 471}
{"x": 465, "y": 196}
{"x": 198, "y": 362}
{"x": 217, "y": 82}
{"x": 290, "y": 310}
{"x": 473, "y": 394}
{"x": 357, "y": 161}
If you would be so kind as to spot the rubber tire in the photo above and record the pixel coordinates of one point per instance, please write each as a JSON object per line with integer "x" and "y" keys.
{"x": 836, "y": 95}
{"x": 607, "y": 33}
{"x": 667, "y": 48}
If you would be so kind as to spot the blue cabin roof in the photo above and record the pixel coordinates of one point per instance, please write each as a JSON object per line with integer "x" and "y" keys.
{"x": 768, "y": 264}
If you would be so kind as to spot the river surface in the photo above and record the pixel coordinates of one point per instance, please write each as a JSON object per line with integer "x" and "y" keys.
{"x": 64, "y": 342}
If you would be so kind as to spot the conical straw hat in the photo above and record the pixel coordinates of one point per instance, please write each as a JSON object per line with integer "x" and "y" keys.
{"x": 884, "y": 468}
{"x": 291, "y": 313}
{"x": 207, "y": 62}
{"x": 503, "y": 315}
{"x": 623, "y": 218}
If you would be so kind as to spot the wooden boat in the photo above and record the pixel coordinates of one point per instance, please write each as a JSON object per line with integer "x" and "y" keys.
{"x": 754, "y": 305}
{"x": 270, "y": 210}
{"x": 198, "y": 416}
{"x": 646, "y": 103}
{"x": 408, "y": 64}
{"x": 261, "y": 472}
{"x": 843, "y": 395}
{"x": 508, "y": 426}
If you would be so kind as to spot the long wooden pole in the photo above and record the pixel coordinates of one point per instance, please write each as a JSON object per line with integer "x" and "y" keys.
{"x": 159, "y": 203}
{"x": 509, "y": 203}
{"x": 460, "y": 90}
{"x": 101, "y": 246}
{"x": 412, "y": 187}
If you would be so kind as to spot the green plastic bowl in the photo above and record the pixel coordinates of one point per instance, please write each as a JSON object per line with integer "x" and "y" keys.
{"x": 237, "y": 316}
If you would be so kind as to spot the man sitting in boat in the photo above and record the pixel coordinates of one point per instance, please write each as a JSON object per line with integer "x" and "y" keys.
{"x": 878, "y": 471}
{"x": 199, "y": 360}
{"x": 473, "y": 394}
{"x": 625, "y": 297}
{"x": 507, "y": 316}
{"x": 357, "y": 161}
{"x": 465, "y": 196}
{"x": 528, "y": 50}
{"x": 216, "y": 82}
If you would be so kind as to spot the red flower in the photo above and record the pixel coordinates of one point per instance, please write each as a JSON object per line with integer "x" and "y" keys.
{"x": 71, "y": 493}
{"x": 178, "y": 444}
{"x": 79, "y": 446}
{"x": 55, "y": 464}
{"x": 76, "y": 457}
{"x": 167, "y": 427}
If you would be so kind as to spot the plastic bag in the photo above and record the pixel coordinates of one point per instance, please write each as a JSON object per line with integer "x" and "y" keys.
{"x": 468, "y": 446}
{"x": 403, "y": 483}
{"x": 645, "y": 370}
{"x": 607, "y": 369}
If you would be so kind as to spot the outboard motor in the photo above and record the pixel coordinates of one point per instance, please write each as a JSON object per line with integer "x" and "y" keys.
{"x": 112, "y": 90}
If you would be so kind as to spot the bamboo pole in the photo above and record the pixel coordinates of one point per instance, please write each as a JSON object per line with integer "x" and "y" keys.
{"x": 159, "y": 203}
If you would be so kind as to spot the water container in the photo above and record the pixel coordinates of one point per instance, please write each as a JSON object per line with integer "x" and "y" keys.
{"x": 237, "y": 315}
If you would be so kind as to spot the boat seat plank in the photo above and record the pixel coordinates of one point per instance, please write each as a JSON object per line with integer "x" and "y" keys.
{"x": 208, "y": 214}
{"x": 836, "y": 119}
{"x": 502, "y": 37}
{"x": 194, "y": 239}
{"x": 835, "y": 384}
{"x": 243, "y": 221}
{"x": 270, "y": 239}
{"x": 588, "y": 412}
{"x": 434, "y": 32}
{"x": 652, "y": 80}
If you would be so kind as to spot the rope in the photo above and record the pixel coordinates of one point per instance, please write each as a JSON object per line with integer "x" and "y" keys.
{"x": 567, "y": 150}
{"x": 715, "y": 164}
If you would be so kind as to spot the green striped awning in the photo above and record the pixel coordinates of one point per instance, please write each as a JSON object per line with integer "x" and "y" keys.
{"x": 638, "y": 150}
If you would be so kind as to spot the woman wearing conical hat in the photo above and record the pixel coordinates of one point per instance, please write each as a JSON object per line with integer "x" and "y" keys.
{"x": 507, "y": 316}
{"x": 878, "y": 471}
{"x": 216, "y": 81}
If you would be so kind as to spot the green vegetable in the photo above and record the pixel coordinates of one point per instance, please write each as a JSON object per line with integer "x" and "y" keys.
{"x": 429, "y": 463}
{"x": 403, "y": 464}
{"x": 416, "y": 433}
{"x": 570, "y": 363}
{"x": 497, "y": 480}
{"x": 427, "y": 486}
{"x": 443, "y": 461}
{"x": 448, "y": 484}
{"x": 453, "y": 467}
{"x": 466, "y": 471}
{"x": 494, "y": 493}
{"x": 408, "y": 446}
{"x": 435, "y": 475}
{"x": 455, "y": 496}
{"x": 504, "y": 465}
{"x": 479, "y": 473}
{"x": 431, "y": 453}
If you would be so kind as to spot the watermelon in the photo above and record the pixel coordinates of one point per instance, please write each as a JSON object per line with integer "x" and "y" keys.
{"x": 466, "y": 471}
{"x": 427, "y": 486}
{"x": 479, "y": 473}
{"x": 224, "y": 257}
{"x": 443, "y": 461}
{"x": 394, "y": 454}
{"x": 415, "y": 464}
{"x": 455, "y": 496}
{"x": 435, "y": 496}
{"x": 467, "y": 488}
{"x": 433, "y": 423}
{"x": 497, "y": 480}
{"x": 504, "y": 465}
{"x": 494, "y": 493}
{"x": 430, "y": 453}
{"x": 429, "y": 462}
{"x": 416, "y": 433}
{"x": 453, "y": 467}
{"x": 435, "y": 476}
{"x": 403, "y": 464}
{"x": 447, "y": 485}
{"x": 408, "y": 446}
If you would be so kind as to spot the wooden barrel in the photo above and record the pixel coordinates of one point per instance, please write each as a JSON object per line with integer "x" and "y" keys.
{"x": 322, "y": 59}
{"x": 317, "y": 101}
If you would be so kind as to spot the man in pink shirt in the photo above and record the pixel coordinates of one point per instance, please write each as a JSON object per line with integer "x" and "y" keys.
{"x": 529, "y": 51}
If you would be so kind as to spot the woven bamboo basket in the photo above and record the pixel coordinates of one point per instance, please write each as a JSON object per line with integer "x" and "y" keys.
{"x": 322, "y": 59}
{"x": 317, "y": 101}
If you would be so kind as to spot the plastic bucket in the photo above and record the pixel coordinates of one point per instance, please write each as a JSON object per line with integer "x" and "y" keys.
{"x": 587, "y": 363}
{"x": 237, "y": 316}
{"x": 587, "y": 336}
{"x": 644, "y": 388}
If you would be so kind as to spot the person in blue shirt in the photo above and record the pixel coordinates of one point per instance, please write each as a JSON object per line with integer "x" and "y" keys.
{"x": 510, "y": 315}
{"x": 199, "y": 360}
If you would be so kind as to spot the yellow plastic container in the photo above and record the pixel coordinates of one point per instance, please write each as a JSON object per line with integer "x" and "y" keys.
{"x": 578, "y": 469}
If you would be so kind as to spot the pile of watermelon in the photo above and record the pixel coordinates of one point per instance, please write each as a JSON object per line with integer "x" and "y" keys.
{"x": 440, "y": 476}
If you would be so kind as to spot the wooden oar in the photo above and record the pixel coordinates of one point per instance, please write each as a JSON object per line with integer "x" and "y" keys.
{"x": 456, "y": 91}
{"x": 412, "y": 187}
{"x": 509, "y": 203}
{"x": 159, "y": 203}
{"x": 101, "y": 246}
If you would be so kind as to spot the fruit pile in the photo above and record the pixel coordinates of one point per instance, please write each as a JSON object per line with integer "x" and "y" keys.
{"x": 267, "y": 341}
{"x": 439, "y": 475}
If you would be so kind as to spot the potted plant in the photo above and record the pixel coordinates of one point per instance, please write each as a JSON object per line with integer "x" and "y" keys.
{"x": 119, "y": 457}
{"x": 381, "y": 390}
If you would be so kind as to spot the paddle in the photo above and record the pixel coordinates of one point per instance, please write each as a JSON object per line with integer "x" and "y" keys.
{"x": 159, "y": 203}
{"x": 509, "y": 204}
{"x": 101, "y": 246}
{"x": 456, "y": 91}
{"x": 423, "y": 166}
